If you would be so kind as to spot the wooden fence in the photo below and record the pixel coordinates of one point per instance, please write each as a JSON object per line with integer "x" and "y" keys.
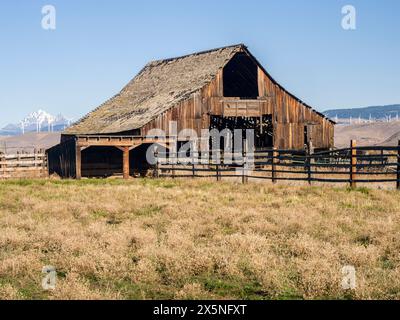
{"x": 353, "y": 165}
{"x": 23, "y": 165}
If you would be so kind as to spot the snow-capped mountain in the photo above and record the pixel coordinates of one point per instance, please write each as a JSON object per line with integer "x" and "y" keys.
{"x": 38, "y": 121}
{"x": 38, "y": 117}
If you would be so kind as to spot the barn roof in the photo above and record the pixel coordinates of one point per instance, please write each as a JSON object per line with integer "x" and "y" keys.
{"x": 159, "y": 86}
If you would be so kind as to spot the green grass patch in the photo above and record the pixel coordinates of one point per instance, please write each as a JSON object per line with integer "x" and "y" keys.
{"x": 28, "y": 289}
{"x": 148, "y": 211}
{"x": 234, "y": 288}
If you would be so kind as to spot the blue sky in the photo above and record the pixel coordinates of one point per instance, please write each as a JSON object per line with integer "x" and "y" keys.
{"x": 99, "y": 46}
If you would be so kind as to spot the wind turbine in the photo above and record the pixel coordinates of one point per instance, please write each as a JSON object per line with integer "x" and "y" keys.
{"x": 23, "y": 127}
{"x": 38, "y": 125}
{"x": 50, "y": 124}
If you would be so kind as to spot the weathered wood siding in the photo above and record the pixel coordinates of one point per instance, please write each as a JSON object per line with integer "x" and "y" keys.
{"x": 62, "y": 159}
{"x": 289, "y": 115}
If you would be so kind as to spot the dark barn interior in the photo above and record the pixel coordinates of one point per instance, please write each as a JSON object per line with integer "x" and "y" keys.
{"x": 108, "y": 161}
{"x": 101, "y": 161}
{"x": 263, "y": 129}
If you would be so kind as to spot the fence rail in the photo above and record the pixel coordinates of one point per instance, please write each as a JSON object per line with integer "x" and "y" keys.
{"x": 353, "y": 165}
{"x": 23, "y": 165}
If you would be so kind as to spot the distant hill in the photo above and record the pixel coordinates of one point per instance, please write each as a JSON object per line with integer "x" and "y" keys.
{"x": 29, "y": 141}
{"x": 375, "y": 112}
{"x": 368, "y": 134}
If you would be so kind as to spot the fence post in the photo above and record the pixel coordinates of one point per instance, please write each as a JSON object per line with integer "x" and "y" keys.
{"x": 35, "y": 157}
{"x": 173, "y": 164}
{"x": 193, "y": 151}
{"x": 218, "y": 159}
{"x": 193, "y": 168}
{"x": 244, "y": 159}
{"x": 308, "y": 161}
{"x": 273, "y": 166}
{"x": 3, "y": 163}
{"x": 44, "y": 161}
{"x": 398, "y": 166}
{"x": 156, "y": 160}
{"x": 353, "y": 165}
{"x": 47, "y": 163}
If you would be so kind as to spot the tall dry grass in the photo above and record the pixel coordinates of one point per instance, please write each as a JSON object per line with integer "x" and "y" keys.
{"x": 177, "y": 239}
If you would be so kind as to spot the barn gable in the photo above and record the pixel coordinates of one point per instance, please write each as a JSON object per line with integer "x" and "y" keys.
{"x": 164, "y": 84}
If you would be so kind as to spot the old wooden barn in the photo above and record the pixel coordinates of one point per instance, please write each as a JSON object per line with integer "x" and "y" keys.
{"x": 221, "y": 88}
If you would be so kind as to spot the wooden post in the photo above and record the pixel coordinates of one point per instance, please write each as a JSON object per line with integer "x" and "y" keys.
{"x": 126, "y": 168}
{"x": 353, "y": 166}
{"x": 3, "y": 163}
{"x": 173, "y": 164}
{"x": 309, "y": 164}
{"x": 35, "y": 157}
{"x": 244, "y": 172}
{"x": 157, "y": 174}
{"x": 218, "y": 159}
{"x": 243, "y": 166}
{"x": 78, "y": 163}
{"x": 47, "y": 168}
{"x": 398, "y": 167}
{"x": 273, "y": 165}
{"x": 193, "y": 159}
{"x": 44, "y": 162}
{"x": 18, "y": 159}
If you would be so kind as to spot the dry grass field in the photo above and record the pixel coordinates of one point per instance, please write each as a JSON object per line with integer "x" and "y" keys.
{"x": 186, "y": 239}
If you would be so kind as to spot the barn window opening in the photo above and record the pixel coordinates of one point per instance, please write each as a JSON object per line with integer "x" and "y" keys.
{"x": 262, "y": 126}
{"x": 240, "y": 77}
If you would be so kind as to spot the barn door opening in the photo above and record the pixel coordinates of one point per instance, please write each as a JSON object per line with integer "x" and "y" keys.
{"x": 262, "y": 126}
{"x": 101, "y": 162}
